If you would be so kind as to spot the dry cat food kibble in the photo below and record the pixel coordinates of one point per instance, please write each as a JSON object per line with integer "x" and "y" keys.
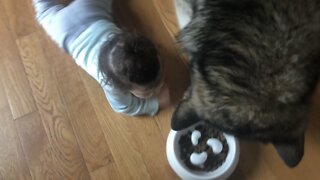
{"x": 202, "y": 151}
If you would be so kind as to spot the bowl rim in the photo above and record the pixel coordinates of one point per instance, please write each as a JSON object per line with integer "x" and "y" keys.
{"x": 222, "y": 172}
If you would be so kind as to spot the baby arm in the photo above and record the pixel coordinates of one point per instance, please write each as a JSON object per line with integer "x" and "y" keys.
{"x": 126, "y": 103}
{"x": 46, "y": 8}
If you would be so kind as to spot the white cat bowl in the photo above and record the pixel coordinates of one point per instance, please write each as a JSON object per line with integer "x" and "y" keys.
{"x": 184, "y": 172}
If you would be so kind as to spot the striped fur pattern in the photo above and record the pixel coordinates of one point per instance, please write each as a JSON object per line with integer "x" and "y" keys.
{"x": 254, "y": 65}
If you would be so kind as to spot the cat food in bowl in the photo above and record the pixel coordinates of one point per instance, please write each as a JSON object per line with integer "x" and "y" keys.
{"x": 202, "y": 152}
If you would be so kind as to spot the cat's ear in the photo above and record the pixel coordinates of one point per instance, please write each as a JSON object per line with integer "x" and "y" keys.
{"x": 184, "y": 116}
{"x": 291, "y": 153}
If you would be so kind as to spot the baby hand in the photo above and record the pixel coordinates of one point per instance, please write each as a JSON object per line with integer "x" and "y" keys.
{"x": 164, "y": 97}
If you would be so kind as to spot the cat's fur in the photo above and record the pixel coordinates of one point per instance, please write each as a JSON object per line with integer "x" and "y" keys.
{"x": 254, "y": 65}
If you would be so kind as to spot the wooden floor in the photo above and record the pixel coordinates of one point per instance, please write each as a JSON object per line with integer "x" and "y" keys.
{"x": 56, "y": 124}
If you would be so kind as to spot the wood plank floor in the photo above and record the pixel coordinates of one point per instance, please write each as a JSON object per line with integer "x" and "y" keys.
{"x": 56, "y": 124}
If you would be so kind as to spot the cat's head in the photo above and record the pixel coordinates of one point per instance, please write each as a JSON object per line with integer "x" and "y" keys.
{"x": 246, "y": 108}
{"x": 289, "y": 141}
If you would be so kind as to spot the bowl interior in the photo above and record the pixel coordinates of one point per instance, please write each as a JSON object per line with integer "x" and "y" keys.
{"x": 228, "y": 165}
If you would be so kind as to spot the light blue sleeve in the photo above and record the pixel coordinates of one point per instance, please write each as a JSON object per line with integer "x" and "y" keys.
{"x": 127, "y": 103}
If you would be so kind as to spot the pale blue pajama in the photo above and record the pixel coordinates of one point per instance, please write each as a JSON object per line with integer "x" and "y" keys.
{"x": 80, "y": 29}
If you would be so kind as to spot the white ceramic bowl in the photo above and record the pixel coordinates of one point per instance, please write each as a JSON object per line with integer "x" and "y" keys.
{"x": 222, "y": 172}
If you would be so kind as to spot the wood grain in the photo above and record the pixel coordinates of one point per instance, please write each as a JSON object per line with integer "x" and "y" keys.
{"x": 252, "y": 163}
{"x": 13, "y": 164}
{"x": 93, "y": 145}
{"x": 51, "y": 108}
{"x": 37, "y": 148}
{"x": 314, "y": 123}
{"x": 167, "y": 14}
{"x": 117, "y": 134}
{"x": 21, "y": 16}
{"x": 151, "y": 145}
{"x": 12, "y": 72}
